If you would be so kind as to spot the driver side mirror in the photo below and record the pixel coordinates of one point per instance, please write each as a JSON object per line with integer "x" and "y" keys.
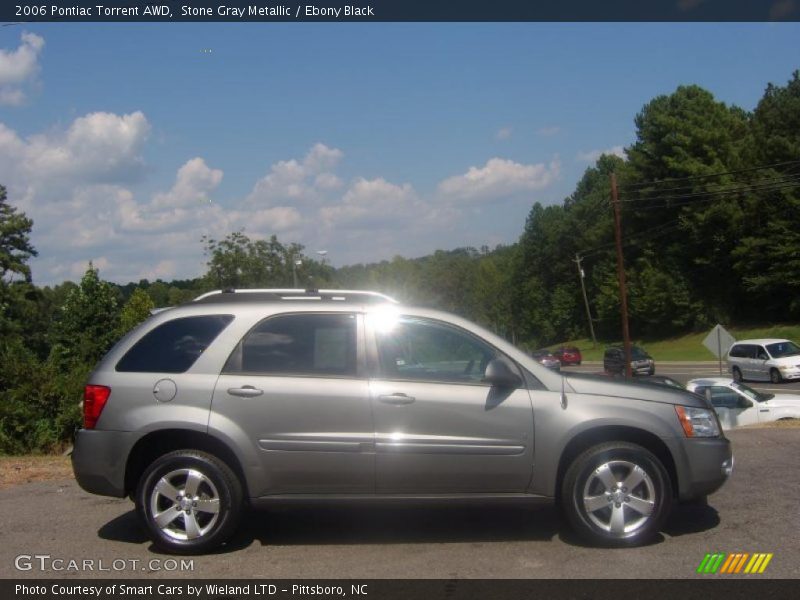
{"x": 500, "y": 374}
{"x": 744, "y": 403}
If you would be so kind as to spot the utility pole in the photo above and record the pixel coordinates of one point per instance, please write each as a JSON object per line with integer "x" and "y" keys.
{"x": 578, "y": 260}
{"x": 623, "y": 290}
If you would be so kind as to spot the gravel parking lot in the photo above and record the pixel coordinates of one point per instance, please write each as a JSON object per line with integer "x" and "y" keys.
{"x": 755, "y": 512}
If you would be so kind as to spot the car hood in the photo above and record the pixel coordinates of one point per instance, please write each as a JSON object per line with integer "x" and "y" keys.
{"x": 786, "y": 361}
{"x": 601, "y": 385}
{"x": 779, "y": 400}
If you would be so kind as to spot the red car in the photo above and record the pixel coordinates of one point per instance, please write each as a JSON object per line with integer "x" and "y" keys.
{"x": 568, "y": 355}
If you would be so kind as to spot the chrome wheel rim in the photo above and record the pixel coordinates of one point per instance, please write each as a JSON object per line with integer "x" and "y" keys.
{"x": 619, "y": 497}
{"x": 184, "y": 504}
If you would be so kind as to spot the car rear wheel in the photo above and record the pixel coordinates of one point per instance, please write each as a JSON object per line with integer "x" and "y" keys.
{"x": 190, "y": 501}
{"x": 775, "y": 376}
{"x": 616, "y": 494}
{"x": 737, "y": 375}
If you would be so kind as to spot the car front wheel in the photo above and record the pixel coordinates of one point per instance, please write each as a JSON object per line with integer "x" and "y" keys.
{"x": 737, "y": 375}
{"x": 616, "y": 494}
{"x": 775, "y": 376}
{"x": 190, "y": 501}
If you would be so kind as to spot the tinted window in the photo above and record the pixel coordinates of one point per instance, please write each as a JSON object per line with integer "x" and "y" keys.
{"x": 781, "y": 349}
{"x": 424, "y": 350}
{"x": 723, "y": 397}
{"x": 174, "y": 346}
{"x": 302, "y": 344}
{"x": 737, "y": 351}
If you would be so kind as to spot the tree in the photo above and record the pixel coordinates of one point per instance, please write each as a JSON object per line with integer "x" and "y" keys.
{"x": 15, "y": 246}
{"x": 88, "y": 323}
{"x": 237, "y": 261}
{"x": 135, "y": 310}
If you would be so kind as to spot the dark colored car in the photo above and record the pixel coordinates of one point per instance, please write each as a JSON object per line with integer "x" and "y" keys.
{"x": 641, "y": 362}
{"x": 568, "y": 355}
{"x": 546, "y": 359}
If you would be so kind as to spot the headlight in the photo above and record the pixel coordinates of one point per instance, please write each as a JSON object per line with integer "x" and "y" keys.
{"x": 698, "y": 422}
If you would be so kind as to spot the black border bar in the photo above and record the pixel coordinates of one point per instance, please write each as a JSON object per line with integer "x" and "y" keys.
{"x": 397, "y": 10}
{"x": 711, "y": 588}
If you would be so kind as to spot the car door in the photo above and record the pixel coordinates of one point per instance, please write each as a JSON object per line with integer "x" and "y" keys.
{"x": 296, "y": 384}
{"x": 760, "y": 366}
{"x": 439, "y": 428}
{"x": 733, "y": 409}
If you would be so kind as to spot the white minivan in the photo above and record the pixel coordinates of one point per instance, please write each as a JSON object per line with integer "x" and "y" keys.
{"x": 764, "y": 360}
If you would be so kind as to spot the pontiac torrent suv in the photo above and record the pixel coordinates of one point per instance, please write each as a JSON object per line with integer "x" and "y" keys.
{"x": 243, "y": 398}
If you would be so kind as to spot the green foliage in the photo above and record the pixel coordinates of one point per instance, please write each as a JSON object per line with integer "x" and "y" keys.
{"x": 135, "y": 310}
{"x": 39, "y": 401}
{"x": 15, "y": 246}
{"x": 87, "y": 325}
{"x": 236, "y": 261}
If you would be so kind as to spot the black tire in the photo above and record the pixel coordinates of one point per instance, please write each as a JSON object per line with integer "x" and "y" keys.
{"x": 197, "y": 526}
{"x": 737, "y": 375}
{"x": 615, "y": 462}
{"x": 775, "y": 376}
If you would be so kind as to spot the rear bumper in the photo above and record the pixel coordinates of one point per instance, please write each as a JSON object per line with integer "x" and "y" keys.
{"x": 99, "y": 459}
{"x": 707, "y": 464}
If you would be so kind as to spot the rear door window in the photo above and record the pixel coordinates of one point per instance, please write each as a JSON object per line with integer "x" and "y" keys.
{"x": 298, "y": 344}
{"x": 174, "y": 346}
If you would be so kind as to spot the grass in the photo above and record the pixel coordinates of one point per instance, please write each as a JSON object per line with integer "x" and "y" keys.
{"x": 15, "y": 470}
{"x": 687, "y": 347}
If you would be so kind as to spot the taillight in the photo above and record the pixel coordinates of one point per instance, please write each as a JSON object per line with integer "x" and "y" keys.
{"x": 94, "y": 400}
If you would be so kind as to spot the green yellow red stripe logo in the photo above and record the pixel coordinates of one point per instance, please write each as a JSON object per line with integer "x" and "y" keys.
{"x": 734, "y": 563}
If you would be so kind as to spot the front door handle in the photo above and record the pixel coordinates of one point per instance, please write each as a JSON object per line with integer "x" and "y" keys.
{"x": 246, "y": 391}
{"x": 396, "y": 399}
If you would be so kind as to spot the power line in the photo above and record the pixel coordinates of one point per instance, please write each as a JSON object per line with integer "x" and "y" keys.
{"x": 760, "y": 186}
{"x": 718, "y": 174}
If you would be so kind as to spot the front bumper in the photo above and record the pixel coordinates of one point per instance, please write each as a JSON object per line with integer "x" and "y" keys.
{"x": 707, "y": 464}
{"x": 99, "y": 459}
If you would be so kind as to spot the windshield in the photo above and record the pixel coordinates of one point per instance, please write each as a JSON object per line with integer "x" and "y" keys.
{"x": 751, "y": 393}
{"x": 781, "y": 349}
{"x": 638, "y": 353}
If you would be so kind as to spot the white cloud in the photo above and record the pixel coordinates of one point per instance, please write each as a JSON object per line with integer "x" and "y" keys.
{"x": 293, "y": 181}
{"x": 19, "y": 68}
{"x": 194, "y": 181}
{"x": 97, "y": 148}
{"x": 499, "y": 178}
{"x": 503, "y": 133}
{"x": 374, "y": 203}
{"x": 593, "y": 155}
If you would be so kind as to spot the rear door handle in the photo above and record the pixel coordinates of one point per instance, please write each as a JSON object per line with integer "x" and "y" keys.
{"x": 246, "y": 391}
{"x": 396, "y": 399}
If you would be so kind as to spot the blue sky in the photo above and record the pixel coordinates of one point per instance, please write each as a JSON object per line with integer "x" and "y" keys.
{"x": 125, "y": 143}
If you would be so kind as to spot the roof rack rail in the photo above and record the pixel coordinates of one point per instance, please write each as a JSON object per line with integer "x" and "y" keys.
{"x": 293, "y": 294}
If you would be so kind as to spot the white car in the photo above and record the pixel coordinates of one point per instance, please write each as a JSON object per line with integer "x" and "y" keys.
{"x": 737, "y": 405}
{"x": 772, "y": 360}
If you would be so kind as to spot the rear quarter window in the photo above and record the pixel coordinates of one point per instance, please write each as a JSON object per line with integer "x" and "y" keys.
{"x": 174, "y": 346}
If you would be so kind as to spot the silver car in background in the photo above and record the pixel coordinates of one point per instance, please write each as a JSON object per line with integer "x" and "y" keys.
{"x": 244, "y": 398}
{"x": 772, "y": 360}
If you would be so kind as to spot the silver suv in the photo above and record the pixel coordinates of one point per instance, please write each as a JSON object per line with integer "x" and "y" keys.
{"x": 249, "y": 397}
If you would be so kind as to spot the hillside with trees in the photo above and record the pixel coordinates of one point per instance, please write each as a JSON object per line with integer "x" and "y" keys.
{"x": 710, "y": 204}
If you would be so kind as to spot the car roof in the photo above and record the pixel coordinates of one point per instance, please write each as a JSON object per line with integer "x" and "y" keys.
{"x": 711, "y": 381}
{"x": 762, "y": 341}
{"x": 281, "y": 295}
